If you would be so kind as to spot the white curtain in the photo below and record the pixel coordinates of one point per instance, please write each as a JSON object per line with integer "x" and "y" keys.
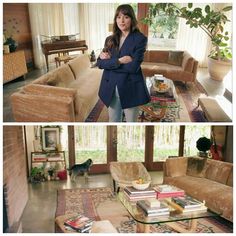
{"x": 94, "y": 26}
{"x": 194, "y": 40}
{"x": 51, "y": 19}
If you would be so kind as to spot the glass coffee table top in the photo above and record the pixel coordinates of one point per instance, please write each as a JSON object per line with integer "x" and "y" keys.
{"x": 139, "y": 216}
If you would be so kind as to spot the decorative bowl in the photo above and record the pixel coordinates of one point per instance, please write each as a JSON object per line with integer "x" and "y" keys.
{"x": 161, "y": 89}
{"x": 142, "y": 186}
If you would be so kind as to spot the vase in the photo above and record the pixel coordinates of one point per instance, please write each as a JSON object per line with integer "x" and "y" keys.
{"x": 203, "y": 154}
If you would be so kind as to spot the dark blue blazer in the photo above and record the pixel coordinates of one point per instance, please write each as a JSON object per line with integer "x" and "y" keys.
{"x": 127, "y": 77}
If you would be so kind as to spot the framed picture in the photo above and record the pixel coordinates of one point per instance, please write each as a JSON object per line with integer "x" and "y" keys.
{"x": 50, "y": 138}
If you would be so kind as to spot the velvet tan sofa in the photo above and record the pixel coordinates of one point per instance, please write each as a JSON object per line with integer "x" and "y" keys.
{"x": 161, "y": 62}
{"x": 66, "y": 94}
{"x": 203, "y": 179}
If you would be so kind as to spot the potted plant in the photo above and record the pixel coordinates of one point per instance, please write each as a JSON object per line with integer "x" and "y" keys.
{"x": 37, "y": 175}
{"x": 212, "y": 23}
{"x": 203, "y": 145}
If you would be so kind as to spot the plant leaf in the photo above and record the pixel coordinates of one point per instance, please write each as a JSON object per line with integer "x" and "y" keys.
{"x": 207, "y": 9}
{"x": 228, "y": 8}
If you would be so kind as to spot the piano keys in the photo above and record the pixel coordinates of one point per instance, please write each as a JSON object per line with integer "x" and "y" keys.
{"x": 49, "y": 47}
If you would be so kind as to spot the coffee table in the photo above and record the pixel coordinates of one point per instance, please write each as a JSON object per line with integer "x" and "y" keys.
{"x": 144, "y": 222}
{"x": 156, "y": 109}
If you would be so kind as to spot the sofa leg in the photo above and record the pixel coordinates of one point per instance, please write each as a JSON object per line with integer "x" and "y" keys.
{"x": 118, "y": 190}
{"x": 114, "y": 185}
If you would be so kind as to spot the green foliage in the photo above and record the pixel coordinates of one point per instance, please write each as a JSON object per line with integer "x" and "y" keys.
{"x": 162, "y": 23}
{"x": 37, "y": 175}
{"x": 210, "y": 21}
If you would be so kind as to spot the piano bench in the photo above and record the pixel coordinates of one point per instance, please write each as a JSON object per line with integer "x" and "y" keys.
{"x": 64, "y": 58}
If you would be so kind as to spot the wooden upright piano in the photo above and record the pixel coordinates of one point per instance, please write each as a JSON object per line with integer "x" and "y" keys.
{"x": 62, "y": 46}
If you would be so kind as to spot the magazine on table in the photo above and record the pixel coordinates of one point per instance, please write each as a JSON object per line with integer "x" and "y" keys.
{"x": 80, "y": 223}
{"x": 167, "y": 189}
{"x": 132, "y": 191}
{"x": 187, "y": 202}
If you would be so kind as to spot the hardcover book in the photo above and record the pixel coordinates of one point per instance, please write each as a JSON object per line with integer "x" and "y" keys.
{"x": 80, "y": 223}
{"x": 187, "y": 202}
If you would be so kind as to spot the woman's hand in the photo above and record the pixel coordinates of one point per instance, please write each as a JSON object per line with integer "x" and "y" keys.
{"x": 104, "y": 55}
{"x": 125, "y": 59}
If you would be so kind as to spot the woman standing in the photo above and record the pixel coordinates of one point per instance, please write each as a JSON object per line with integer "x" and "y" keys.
{"x": 123, "y": 86}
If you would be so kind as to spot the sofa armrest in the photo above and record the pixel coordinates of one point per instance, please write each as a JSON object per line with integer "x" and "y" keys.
{"x": 175, "y": 167}
{"x": 46, "y": 90}
{"x": 41, "y": 108}
{"x": 188, "y": 62}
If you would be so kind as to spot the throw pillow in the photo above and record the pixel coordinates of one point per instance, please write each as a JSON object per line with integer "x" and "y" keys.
{"x": 218, "y": 171}
{"x": 176, "y": 166}
{"x": 56, "y": 81}
{"x": 175, "y": 58}
{"x": 196, "y": 166}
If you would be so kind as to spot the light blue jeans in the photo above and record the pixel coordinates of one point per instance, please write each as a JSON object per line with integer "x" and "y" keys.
{"x": 115, "y": 110}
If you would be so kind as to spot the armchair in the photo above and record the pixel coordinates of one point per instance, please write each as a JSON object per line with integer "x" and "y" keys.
{"x": 123, "y": 173}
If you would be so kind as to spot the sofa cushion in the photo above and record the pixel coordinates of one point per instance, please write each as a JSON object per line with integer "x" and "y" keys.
{"x": 79, "y": 65}
{"x": 175, "y": 58}
{"x": 61, "y": 77}
{"x": 197, "y": 166}
{"x": 87, "y": 86}
{"x": 176, "y": 166}
{"x": 218, "y": 171}
{"x": 156, "y": 56}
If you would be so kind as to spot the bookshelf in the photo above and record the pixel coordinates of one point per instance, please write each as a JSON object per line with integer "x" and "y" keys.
{"x": 47, "y": 157}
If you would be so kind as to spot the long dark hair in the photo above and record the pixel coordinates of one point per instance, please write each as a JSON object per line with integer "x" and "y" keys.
{"x": 114, "y": 40}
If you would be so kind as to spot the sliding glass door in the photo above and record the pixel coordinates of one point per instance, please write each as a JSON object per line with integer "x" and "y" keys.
{"x": 192, "y": 134}
{"x": 91, "y": 142}
{"x": 130, "y": 143}
{"x": 166, "y": 142}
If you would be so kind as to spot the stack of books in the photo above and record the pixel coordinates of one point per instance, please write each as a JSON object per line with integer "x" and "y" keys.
{"x": 79, "y": 223}
{"x": 134, "y": 195}
{"x": 188, "y": 204}
{"x": 166, "y": 191}
{"x": 159, "y": 209}
{"x": 39, "y": 157}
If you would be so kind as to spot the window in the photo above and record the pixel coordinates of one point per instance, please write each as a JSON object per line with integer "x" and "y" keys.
{"x": 192, "y": 134}
{"x": 166, "y": 142}
{"x": 162, "y": 31}
{"x": 131, "y": 143}
{"x": 91, "y": 142}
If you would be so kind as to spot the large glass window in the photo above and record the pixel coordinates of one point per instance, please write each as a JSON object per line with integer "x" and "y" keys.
{"x": 192, "y": 134}
{"x": 131, "y": 143}
{"x": 163, "y": 31}
{"x": 91, "y": 142}
{"x": 166, "y": 142}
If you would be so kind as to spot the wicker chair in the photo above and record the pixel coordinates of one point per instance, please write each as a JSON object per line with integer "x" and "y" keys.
{"x": 123, "y": 173}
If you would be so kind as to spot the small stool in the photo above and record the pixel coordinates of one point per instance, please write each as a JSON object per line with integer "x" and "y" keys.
{"x": 64, "y": 58}
{"x": 213, "y": 110}
{"x": 103, "y": 226}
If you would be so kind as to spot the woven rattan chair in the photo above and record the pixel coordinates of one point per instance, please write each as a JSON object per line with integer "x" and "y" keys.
{"x": 123, "y": 173}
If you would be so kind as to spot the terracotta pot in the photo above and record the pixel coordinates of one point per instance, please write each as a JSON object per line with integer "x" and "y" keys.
{"x": 218, "y": 69}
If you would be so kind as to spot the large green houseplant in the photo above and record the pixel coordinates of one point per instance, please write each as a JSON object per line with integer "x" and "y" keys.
{"x": 211, "y": 22}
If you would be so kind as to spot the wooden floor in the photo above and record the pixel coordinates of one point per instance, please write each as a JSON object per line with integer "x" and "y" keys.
{"x": 39, "y": 213}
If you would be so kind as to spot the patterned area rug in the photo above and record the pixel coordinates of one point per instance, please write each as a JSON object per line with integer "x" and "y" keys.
{"x": 101, "y": 204}
{"x": 188, "y": 96}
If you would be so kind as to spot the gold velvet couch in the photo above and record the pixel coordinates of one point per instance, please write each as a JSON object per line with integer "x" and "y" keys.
{"x": 158, "y": 62}
{"x": 66, "y": 94}
{"x": 203, "y": 179}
